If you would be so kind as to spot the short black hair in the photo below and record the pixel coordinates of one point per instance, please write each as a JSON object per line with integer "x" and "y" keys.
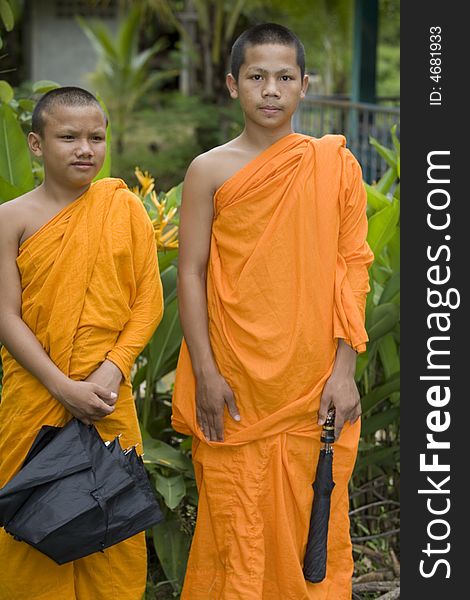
{"x": 265, "y": 33}
{"x": 63, "y": 96}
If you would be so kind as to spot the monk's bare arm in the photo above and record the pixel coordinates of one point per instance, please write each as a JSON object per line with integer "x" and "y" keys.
{"x": 81, "y": 399}
{"x": 212, "y": 391}
{"x": 340, "y": 389}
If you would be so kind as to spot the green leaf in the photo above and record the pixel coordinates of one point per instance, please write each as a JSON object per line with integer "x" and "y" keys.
{"x": 391, "y": 289}
{"x": 186, "y": 444}
{"x": 393, "y": 250}
{"x": 6, "y": 92}
{"x": 376, "y": 199}
{"x": 380, "y": 420}
{"x": 380, "y": 393}
{"x": 388, "y": 353}
{"x": 169, "y": 363}
{"x": 166, "y": 258}
{"x": 165, "y": 341}
{"x": 163, "y": 348}
{"x": 15, "y": 161}
{"x": 139, "y": 377}
{"x": 173, "y": 489}
{"x": 192, "y": 493}
{"x": 26, "y": 104}
{"x": 105, "y": 170}
{"x": 100, "y": 39}
{"x": 396, "y": 191}
{"x": 43, "y": 86}
{"x": 361, "y": 364}
{"x": 395, "y": 140}
{"x": 383, "y": 319}
{"x": 203, "y": 14}
{"x": 174, "y": 196}
{"x": 172, "y": 548}
{"x": 8, "y": 191}
{"x": 382, "y": 226}
{"x": 157, "y": 78}
{"x": 159, "y": 453}
{"x": 168, "y": 278}
{"x": 386, "y": 181}
{"x": 139, "y": 61}
{"x": 127, "y": 35}
{"x": 7, "y": 15}
{"x": 380, "y": 456}
{"x": 380, "y": 271}
{"x": 374, "y": 289}
{"x": 388, "y": 155}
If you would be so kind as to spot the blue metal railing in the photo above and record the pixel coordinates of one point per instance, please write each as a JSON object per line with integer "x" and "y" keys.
{"x": 319, "y": 115}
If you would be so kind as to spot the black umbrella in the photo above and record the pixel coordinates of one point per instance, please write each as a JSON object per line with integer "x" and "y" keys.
{"x": 75, "y": 495}
{"x": 315, "y": 555}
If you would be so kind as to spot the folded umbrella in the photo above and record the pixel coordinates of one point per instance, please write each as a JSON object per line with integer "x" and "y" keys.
{"x": 316, "y": 554}
{"x": 74, "y": 495}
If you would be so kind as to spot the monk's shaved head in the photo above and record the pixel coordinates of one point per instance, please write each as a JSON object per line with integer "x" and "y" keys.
{"x": 63, "y": 96}
{"x": 266, "y": 33}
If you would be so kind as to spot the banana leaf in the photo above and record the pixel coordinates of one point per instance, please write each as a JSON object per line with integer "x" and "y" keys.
{"x": 380, "y": 393}
{"x": 15, "y": 161}
{"x": 172, "y": 548}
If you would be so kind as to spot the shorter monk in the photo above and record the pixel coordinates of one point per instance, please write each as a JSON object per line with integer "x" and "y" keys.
{"x": 272, "y": 285}
{"x": 80, "y": 296}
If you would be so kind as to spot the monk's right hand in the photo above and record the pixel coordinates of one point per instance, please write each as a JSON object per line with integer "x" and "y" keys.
{"x": 87, "y": 401}
{"x": 212, "y": 394}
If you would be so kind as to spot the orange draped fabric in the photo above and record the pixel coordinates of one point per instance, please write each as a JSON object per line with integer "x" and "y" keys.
{"x": 287, "y": 277}
{"x": 91, "y": 290}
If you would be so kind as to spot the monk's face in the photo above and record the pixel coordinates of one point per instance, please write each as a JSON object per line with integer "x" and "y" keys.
{"x": 269, "y": 85}
{"x": 72, "y": 144}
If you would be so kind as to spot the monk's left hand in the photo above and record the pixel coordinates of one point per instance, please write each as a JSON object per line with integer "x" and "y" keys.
{"x": 109, "y": 376}
{"x": 341, "y": 391}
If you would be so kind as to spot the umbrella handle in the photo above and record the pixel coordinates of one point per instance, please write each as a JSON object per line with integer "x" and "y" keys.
{"x": 327, "y": 436}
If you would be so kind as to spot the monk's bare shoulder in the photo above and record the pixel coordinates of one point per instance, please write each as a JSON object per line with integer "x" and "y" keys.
{"x": 14, "y": 216}
{"x": 213, "y": 168}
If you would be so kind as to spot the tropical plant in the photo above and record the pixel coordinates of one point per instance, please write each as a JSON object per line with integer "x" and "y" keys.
{"x": 16, "y": 167}
{"x": 7, "y": 17}
{"x": 166, "y": 453}
{"x": 160, "y": 355}
{"x": 206, "y": 28}
{"x": 123, "y": 75}
{"x": 378, "y": 368}
{"x": 375, "y": 492}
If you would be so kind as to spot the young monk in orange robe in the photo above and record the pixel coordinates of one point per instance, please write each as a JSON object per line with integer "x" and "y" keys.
{"x": 272, "y": 284}
{"x": 80, "y": 297}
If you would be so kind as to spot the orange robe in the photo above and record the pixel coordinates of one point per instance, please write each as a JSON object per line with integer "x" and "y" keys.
{"x": 287, "y": 276}
{"x": 91, "y": 290}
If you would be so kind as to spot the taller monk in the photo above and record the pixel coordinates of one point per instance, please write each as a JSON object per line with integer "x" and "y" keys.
{"x": 273, "y": 276}
{"x": 80, "y": 295}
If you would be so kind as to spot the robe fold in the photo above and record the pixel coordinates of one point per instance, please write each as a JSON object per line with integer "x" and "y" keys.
{"x": 90, "y": 291}
{"x": 287, "y": 277}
